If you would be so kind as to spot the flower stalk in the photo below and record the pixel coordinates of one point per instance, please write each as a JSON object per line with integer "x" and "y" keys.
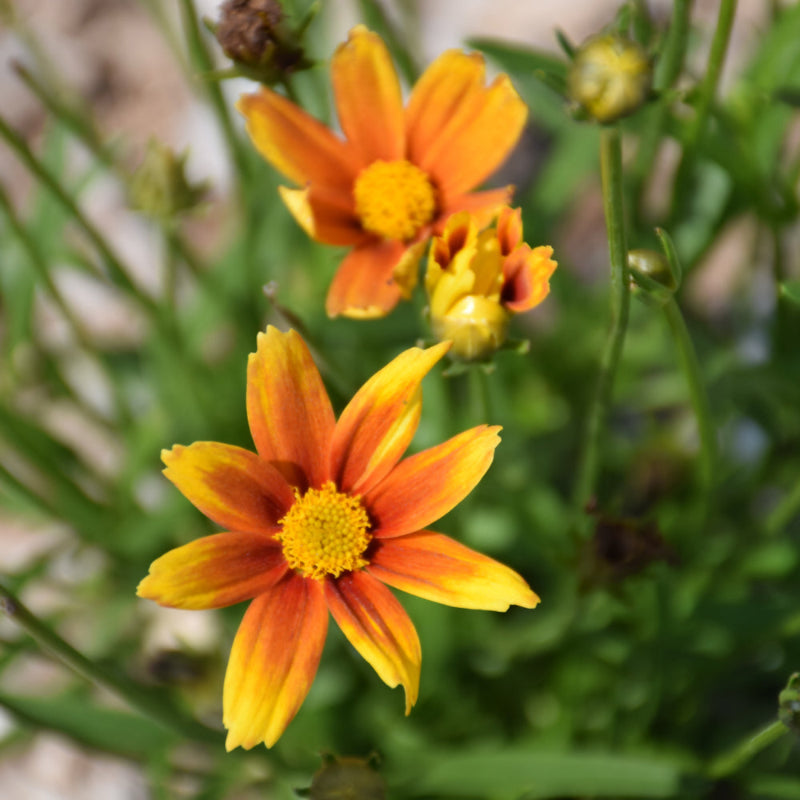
{"x": 611, "y": 174}
{"x": 48, "y": 180}
{"x": 716, "y": 58}
{"x": 697, "y": 391}
{"x": 732, "y": 761}
{"x": 148, "y": 703}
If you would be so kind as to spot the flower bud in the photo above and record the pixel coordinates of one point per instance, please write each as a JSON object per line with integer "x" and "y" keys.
{"x": 651, "y": 275}
{"x": 476, "y": 325}
{"x": 789, "y": 704}
{"x": 159, "y": 186}
{"x": 476, "y": 280}
{"x": 351, "y": 778}
{"x": 610, "y": 77}
{"x": 253, "y": 35}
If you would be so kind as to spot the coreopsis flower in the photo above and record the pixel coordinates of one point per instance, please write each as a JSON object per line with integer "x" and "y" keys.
{"x": 476, "y": 280}
{"x": 398, "y": 173}
{"x": 318, "y": 520}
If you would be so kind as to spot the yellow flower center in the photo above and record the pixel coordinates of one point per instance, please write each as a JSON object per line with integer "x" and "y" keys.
{"x": 394, "y": 199}
{"x": 325, "y": 533}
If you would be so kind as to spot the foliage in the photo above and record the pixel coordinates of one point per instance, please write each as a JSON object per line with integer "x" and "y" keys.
{"x": 670, "y": 615}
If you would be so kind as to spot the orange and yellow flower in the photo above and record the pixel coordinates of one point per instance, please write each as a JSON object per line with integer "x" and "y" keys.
{"x": 398, "y": 173}
{"x": 477, "y": 279}
{"x": 318, "y": 520}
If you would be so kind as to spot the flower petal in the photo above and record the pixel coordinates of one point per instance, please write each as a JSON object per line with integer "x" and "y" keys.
{"x": 527, "y": 274}
{"x": 364, "y": 286}
{"x": 215, "y": 571}
{"x": 378, "y": 424}
{"x": 509, "y": 229}
{"x": 438, "y": 568}
{"x": 324, "y": 216}
{"x": 368, "y": 98}
{"x": 483, "y": 206}
{"x": 232, "y": 486}
{"x": 274, "y": 659}
{"x": 488, "y": 122}
{"x": 295, "y": 143}
{"x": 424, "y": 487}
{"x": 375, "y": 623}
{"x": 438, "y": 94}
{"x": 288, "y": 409}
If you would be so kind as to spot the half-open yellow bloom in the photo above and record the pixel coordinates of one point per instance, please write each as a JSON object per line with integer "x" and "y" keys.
{"x": 398, "y": 173}
{"x": 318, "y": 520}
{"x": 477, "y": 279}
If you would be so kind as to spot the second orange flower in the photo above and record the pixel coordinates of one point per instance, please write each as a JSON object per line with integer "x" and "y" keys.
{"x": 398, "y": 173}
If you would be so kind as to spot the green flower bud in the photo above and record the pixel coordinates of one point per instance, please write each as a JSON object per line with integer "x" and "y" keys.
{"x": 159, "y": 186}
{"x": 346, "y": 779}
{"x": 610, "y": 77}
{"x": 652, "y": 276}
{"x": 789, "y": 704}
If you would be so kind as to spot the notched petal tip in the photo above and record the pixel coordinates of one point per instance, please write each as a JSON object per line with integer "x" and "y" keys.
{"x": 380, "y": 630}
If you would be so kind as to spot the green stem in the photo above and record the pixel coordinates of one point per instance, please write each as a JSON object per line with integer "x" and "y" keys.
{"x": 148, "y": 703}
{"x": 716, "y": 58}
{"x": 667, "y": 70}
{"x": 697, "y": 392}
{"x": 49, "y": 181}
{"x": 15, "y": 486}
{"x": 171, "y": 258}
{"x": 670, "y": 64}
{"x": 77, "y": 121}
{"x": 71, "y": 113}
{"x": 730, "y": 762}
{"x": 40, "y": 266}
{"x": 784, "y": 512}
{"x": 611, "y": 173}
{"x": 201, "y": 60}
{"x": 481, "y": 400}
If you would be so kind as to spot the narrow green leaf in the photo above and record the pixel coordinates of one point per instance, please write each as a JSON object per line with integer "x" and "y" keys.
{"x": 791, "y": 291}
{"x": 514, "y": 773}
{"x": 101, "y": 728}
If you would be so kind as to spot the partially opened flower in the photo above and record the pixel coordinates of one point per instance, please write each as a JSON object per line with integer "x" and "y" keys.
{"x": 476, "y": 280}
{"x": 318, "y": 520}
{"x": 398, "y": 173}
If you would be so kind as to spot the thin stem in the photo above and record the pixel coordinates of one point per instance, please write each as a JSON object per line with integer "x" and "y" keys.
{"x": 716, "y": 58}
{"x": 74, "y": 117}
{"x": 697, "y": 391}
{"x": 39, "y": 264}
{"x": 667, "y": 70}
{"x": 784, "y": 512}
{"x": 202, "y": 61}
{"x": 171, "y": 257}
{"x": 78, "y": 122}
{"x": 611, "y": 173}
{"x": 671, "y": 62}
{"x": 47, "y": 179}
{"x": 148, "y": 703}
{"x": 15, "y": 486}
{"x": 730, "y": 762}
{"x": 481, "y": 400}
